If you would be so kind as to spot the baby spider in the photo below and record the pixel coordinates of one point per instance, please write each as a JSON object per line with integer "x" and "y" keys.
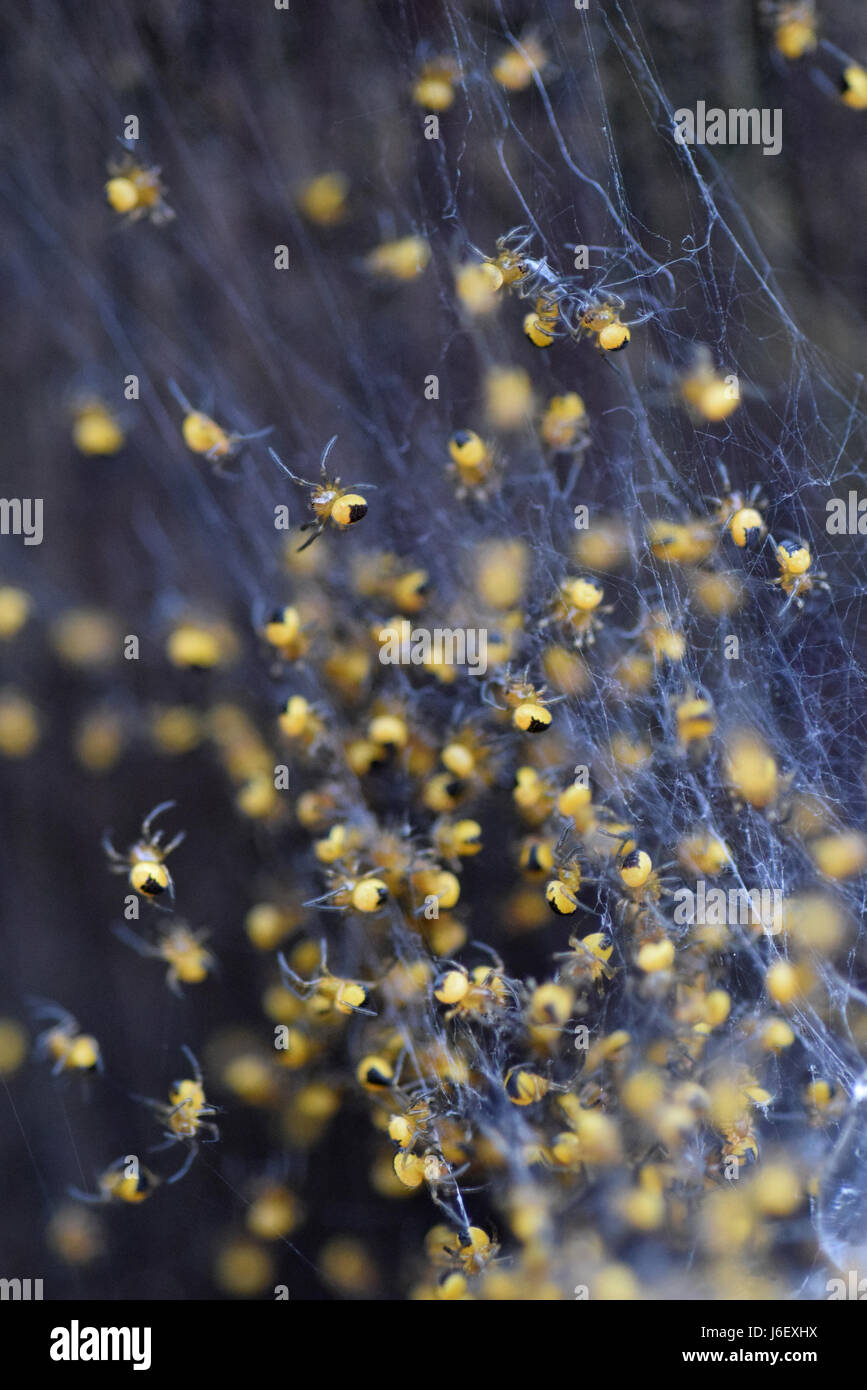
{"x": 362, "y": 891}
{"x": 125, "y": 1180}
{"x": 586, "y": 961}
{"x": 642, "y": 885}
{"x": 601, "y": 319}
{"x": 330, "y": 501}
{"x": 794, "y": 24}
{"x": 326, "y": 992}
{"x": 518, "y": 271}
{"x": 136, "y": 191}
{"x": 470, "y": 1249}
{"x": 63, "y": 1042}
{"x": 576, "y": 607}
{"x": 184, "y": 1116}
{"x": 202, "y": 435}
{"x": 561, "y": 893}
{"x": 739, "y": 514}
{"x": 541, "y": 325}
{"x": 482, "y": 993}
{"x": 180, "y": 947}
{"x": 797, "y": 577}
{"x": 472, "y": 463}
{"x": 530, "y": 713}
{"x": 144, "y": 861}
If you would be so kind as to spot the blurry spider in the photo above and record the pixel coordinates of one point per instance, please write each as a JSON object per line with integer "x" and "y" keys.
{"x": 518, "y": 271}
{"x": 63, "y": 1042}
{"x": 796, "y": 577}
{"x": 327, "y": 991}
{"x": 576, "y": 606}
{"x": 738, "y": 513}
{"x": 587, "y": 959}
{"x": 528, "y": 703}
{"x": 362, "y": 891}
{"x": 601, "y": 319}
{"x": 189, "y": 961}
{"x": 330, "y": 501}
{"x": 144, "y": 861}
{"x": 184, "y": 1116}
{"x": 561, "y": 893}
{"x": 202, "y": 434}
{"x": 642, "y": 885}
{"x": 481, "y": 993}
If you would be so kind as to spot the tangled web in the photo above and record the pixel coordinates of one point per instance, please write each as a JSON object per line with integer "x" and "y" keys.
{"x": 614, "y": 1095}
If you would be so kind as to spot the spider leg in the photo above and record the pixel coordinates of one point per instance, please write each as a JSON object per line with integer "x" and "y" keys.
{"x": 152, "y": 815}
{"x": 180, "y": 397}
{"x": 293, "y": 476}
{"x": 190, "y": 1056}
{"x": 326, "y": 451}
{"x": 316, "y": 534}
{"x": 186, "y": 1165}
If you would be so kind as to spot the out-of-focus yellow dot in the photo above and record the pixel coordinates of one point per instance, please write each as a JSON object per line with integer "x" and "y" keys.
{"x": 323, "y": 199}
{"x": 816, "y": 922}
{"x": 643, "y": 1209}
{"x": 244, "y": 1269}
{"x": 795, "y": 36}
{"x": 122, "y": 194}
{"x": 642, "y": 1092}
{"x": 274, "y": 1213}
{"x": 655, "y": 955}
{"x": 477, "y": 287}
{"x": 251, "y": 1079}
{"x": 615, "y": 1283}
{"x": 99, "y": 741}
{"x": 434, "y": 88}
{"x": 777, "y": 1190}
{"x": 717, "y": 591}
{"x": 259, "y": 798}
{"x": 777, "y": 1034}
{"x": 19, "y": 725}
{"x": 514, "y": 70}
{"x": 840, "y": 856}
{"x": 501, "y": 573}
{"x": 15, "y": 606}
{"x": 95, "y": 430}
{"x": 404, "y": 259}
{"x": 86, "y": 637}
{"x": 75, "y": 1234}
{"x": 508, "y": 397}
{"x": 566, "y": 671}
{"x": 176, "y": 729}
{"x": 13, "y": 1046}
{"x": 783, "y": 982}
{"x": 345, "y": 1262}
{"x": 603, "y": 546}
{"x": 195, "y": 647}
{"x": 266, "y": 925}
